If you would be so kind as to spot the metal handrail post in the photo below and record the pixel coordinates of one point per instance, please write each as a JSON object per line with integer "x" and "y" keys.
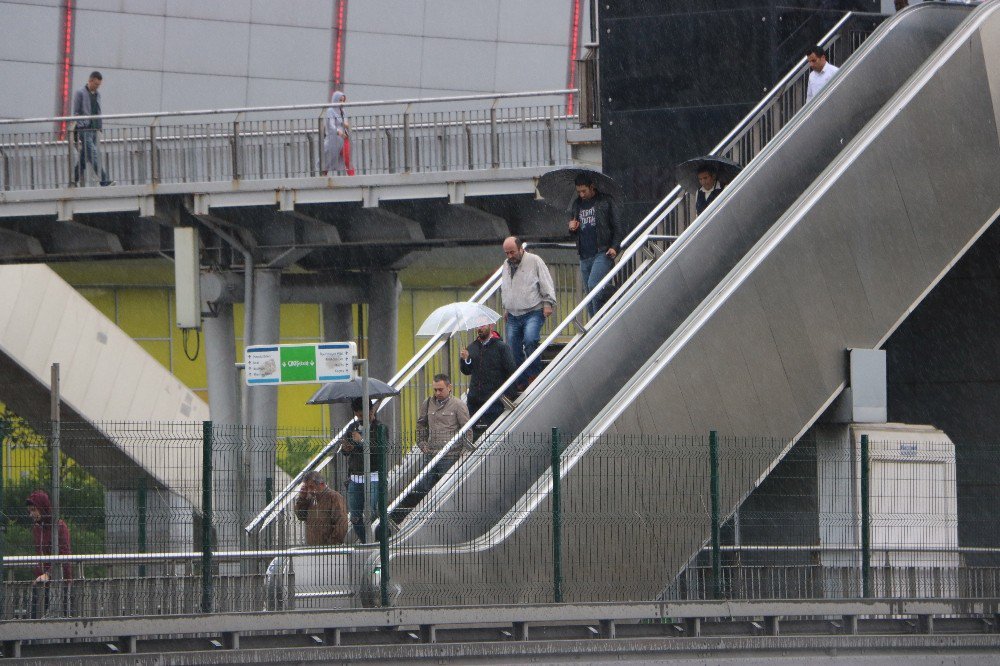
{"x": 70, "y": 167}
{"x": 407, "y": 157}
{"x": 383, "y": 539}
{"x": 494, "y": 138}
{"x": 55, "y": 573}
{"x": 235, "y": 150}
{"x": 866, "y": 518}
{"x": 713, "y": 454}
{"x": 141, "y": 500}
{"x": 154, "y": 158}
{"x": 557, "y": 574}
{"x": 4, "y": 431}
{"x": 206, "y": 517}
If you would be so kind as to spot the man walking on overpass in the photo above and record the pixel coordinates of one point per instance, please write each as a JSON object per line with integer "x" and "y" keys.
{"x": 87, "y": 102}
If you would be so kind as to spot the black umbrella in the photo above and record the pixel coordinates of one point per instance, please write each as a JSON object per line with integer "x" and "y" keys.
{"x": 687, "y": 172}
{"x": 347, "y": 391}
{"x": 559, "y": 191}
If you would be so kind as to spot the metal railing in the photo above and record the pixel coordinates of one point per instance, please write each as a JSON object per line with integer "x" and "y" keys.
{"x": 459, "y": 133}
{"x": 643, "y": 245}
{"x": 818, "y": 581}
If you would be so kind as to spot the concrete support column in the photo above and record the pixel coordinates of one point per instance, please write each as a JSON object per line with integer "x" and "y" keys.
{"x": 263, "y": 400}
{"x": 224, "y": 401}
{"x": 383, "y": 332}
{"x": 338, "y": 326}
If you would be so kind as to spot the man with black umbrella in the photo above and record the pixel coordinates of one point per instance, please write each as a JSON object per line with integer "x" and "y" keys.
{"x": 352, "y": 446}
{"x": 710, "y": 187}
{"x": 596, "y": 225}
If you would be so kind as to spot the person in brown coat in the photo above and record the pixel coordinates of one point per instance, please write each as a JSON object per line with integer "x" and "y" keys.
{"x": 323, "y": 510}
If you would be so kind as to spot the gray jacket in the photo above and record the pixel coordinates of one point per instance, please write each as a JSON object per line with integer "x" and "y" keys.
{"x": 529, "y": 288}
{"x": 81, "y": 107}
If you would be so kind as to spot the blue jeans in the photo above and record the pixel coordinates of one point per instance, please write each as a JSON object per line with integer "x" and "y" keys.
{"x": 593, "y": 269}
{"x": 523, "y": 332}
{"x": 89, "y": 154}
{"x": 355, "y": 505}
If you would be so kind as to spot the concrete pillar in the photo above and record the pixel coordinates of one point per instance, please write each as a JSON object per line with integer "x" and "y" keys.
{"x": 224, "y": 401}
{"x": 383, "y": 332}
{"x": 220, "y": 362}
{"x": 263, "y": 400}
{"x": 338, "y": 326}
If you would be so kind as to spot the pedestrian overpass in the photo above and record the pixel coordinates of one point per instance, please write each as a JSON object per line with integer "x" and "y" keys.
{"x": 417, "y": 163}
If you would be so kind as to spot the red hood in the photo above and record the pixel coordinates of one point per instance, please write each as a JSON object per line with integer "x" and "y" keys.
{"x": 40, "y": 500}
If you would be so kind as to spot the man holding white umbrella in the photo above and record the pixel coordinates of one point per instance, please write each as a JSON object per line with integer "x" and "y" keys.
{"x": 489, "y": 363}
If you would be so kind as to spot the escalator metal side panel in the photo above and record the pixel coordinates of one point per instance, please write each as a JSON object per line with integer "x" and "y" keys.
{"x": 831, "y": 260}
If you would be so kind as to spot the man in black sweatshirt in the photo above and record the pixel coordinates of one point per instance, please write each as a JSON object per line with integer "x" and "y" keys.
{"x": 597, "y": 227}
{"x": 489, "y": 362}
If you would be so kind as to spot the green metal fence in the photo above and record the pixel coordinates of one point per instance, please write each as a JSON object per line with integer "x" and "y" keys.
{"x": 155, "y": 514}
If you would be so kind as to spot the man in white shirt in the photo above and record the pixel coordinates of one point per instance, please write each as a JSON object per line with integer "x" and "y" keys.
{"x": 821, "y": 73}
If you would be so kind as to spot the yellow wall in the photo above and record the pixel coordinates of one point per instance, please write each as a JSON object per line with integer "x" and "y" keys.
{"x": 146, "y": 314}
{"x": 139, "y": 299}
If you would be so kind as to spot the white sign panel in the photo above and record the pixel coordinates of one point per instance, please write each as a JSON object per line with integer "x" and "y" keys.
{"x": 300, "y": 364}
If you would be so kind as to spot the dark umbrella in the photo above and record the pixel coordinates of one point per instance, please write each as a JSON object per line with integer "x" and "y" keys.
{"x": 687, "y": 172}
{"x": 347, "y": 391}
{"x": 559, "y": 191}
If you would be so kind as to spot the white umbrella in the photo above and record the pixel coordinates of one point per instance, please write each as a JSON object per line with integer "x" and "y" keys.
{"x": 454, "y": 317}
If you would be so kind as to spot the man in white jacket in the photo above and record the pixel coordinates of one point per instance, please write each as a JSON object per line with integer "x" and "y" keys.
{"x": 529, "y": 297}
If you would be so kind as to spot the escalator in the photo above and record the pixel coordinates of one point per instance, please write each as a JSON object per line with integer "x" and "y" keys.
{"x": 825, "y": 242}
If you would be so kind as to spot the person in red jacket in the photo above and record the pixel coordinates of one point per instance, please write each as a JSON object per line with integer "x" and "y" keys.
{"x": 40, "y": 511}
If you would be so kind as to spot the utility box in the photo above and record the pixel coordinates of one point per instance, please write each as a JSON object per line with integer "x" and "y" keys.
{"x": 187, "y": 278}
{"x": 913, "y": 505}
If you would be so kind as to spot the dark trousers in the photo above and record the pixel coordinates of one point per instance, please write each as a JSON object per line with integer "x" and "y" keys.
{"x": 41, "y": 597}
{"x": 434, "y": 474}
{"x": 487, "y": 419}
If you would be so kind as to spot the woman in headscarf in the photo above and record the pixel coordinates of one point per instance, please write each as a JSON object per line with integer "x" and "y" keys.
{"x": 336, "y": 134}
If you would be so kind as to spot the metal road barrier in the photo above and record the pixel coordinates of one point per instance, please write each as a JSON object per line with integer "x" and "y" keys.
{"x": 498, "y": 631}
